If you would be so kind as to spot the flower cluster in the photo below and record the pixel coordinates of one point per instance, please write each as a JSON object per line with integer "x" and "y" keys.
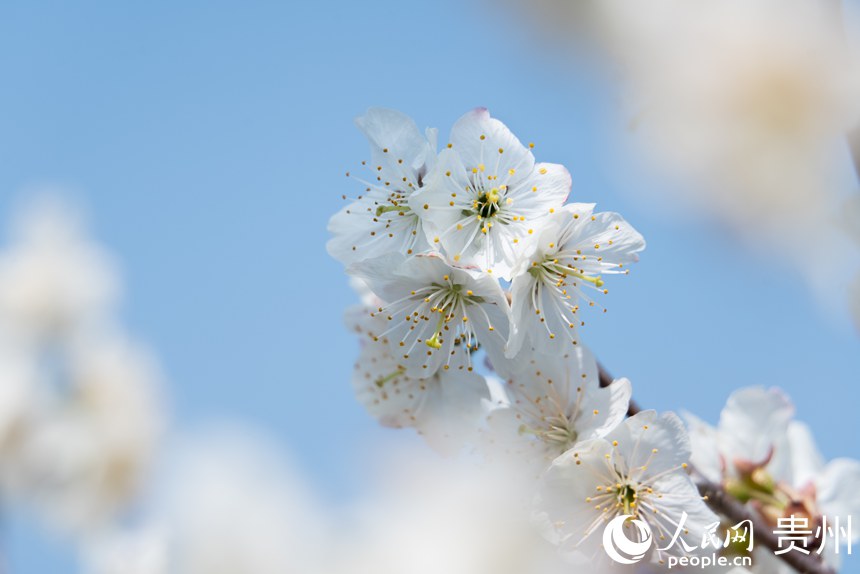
{"x": 432, "y": 244}
{"x": 473, "y": 249}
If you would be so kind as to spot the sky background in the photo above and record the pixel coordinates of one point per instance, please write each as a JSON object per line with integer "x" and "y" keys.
{"x": 208, "y": 142}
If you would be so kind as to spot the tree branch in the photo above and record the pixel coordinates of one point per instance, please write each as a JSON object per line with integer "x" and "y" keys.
{"x": 723, "y": 503}
{"x": 720, "y": 501}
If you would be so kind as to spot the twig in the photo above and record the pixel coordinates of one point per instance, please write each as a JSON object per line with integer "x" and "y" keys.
{"x": 722, "y": 502}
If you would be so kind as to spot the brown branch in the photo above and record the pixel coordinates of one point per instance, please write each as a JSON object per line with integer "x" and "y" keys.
{"x": 723, "y": 503}
{"x": 720, "y": 501}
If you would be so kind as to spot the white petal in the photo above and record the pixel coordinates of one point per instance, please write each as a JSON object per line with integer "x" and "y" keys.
{"x": 753, "y": 422}
{"x": 704, "y": 441}
{"x": 680, "y": 496}
{"x": 546, "y": 189}
{"x": 477, "y": 138}
{"x": 837, "y": 492}
{"x": 397, "y": 133}
{"x": 805, "y": 459}
{"x": 611, "y": 404}
{"x": 657, "y": 443}
{"x": 564, "y": 498}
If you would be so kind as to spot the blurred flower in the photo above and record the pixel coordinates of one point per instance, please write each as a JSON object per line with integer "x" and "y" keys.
{"x": 80, "y": 413}
{"x": 140, "y": 551}
{"x": 53, "y": 279}
{"x": 19, "y": 393}
{"x": 85, "y": 456}
{"x": 429, "y": 516}
{"x": 572, "y": 252}
{"x": 487, "y": 194}
{"x": 747, "y": 103}
{"x": 381, "y": 221}
{"x": 227, "y": 504}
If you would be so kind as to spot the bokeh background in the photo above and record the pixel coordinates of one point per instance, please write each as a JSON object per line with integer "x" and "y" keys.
{"x": 208, "y": 141}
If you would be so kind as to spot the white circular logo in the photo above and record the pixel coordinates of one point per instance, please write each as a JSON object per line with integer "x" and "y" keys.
{"x": 622, "y": 549}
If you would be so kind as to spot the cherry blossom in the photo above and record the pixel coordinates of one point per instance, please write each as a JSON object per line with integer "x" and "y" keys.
{"x": 487, "y": 195}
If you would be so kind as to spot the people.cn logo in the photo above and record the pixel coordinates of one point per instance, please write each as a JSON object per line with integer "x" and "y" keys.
{"x": 619, "y": 547}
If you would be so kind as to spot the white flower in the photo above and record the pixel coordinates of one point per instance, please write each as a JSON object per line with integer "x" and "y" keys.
{"x": 554, "y": 403}
{"x": 53, "y": 280}
{"x": 436, "y": 314}
{"x": 227, "y": 504}
{"x": 761, "y": 455}
{"x": 746, "y": 104}
{"x": 573, "y": 252}
{"x": 140, "y": 551}
{"x": 429, "y": 517}
{"x": 381, "y": 222}
{"x": 638, "y": 469}
{"x": 85, "y": 458}
{"x": 487, "y": 195}
{"x": 19, "y": 398}
{"x": 445, "y": 407}
{"x": 751, "y": 425}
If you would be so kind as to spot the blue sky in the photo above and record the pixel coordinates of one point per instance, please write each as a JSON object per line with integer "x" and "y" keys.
{"x": 208, "y": 142}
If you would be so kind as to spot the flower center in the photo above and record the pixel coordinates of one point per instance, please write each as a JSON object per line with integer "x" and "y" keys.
{"x": 624, "y": 496}
{"x": 559, "y": 432}
{"x": 487, "y": 204}
{"x": 551, "y": 270}
{"x": 451, "y": 299}
{"x": 627, "y": 498}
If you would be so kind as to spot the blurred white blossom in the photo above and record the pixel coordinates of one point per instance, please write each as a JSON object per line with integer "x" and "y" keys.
{"x": 227, "y": 503}
{"x": 18, "y": 399}
{"x": 426, "y": 516}
{"x": 53, "y": 278}
{"x": 749, "y": 99}
{"x": 81, "y": 413}
{"x": 86, "y": 455}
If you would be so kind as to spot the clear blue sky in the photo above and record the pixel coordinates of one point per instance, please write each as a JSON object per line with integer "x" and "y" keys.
{"x": 209, "y": 140}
